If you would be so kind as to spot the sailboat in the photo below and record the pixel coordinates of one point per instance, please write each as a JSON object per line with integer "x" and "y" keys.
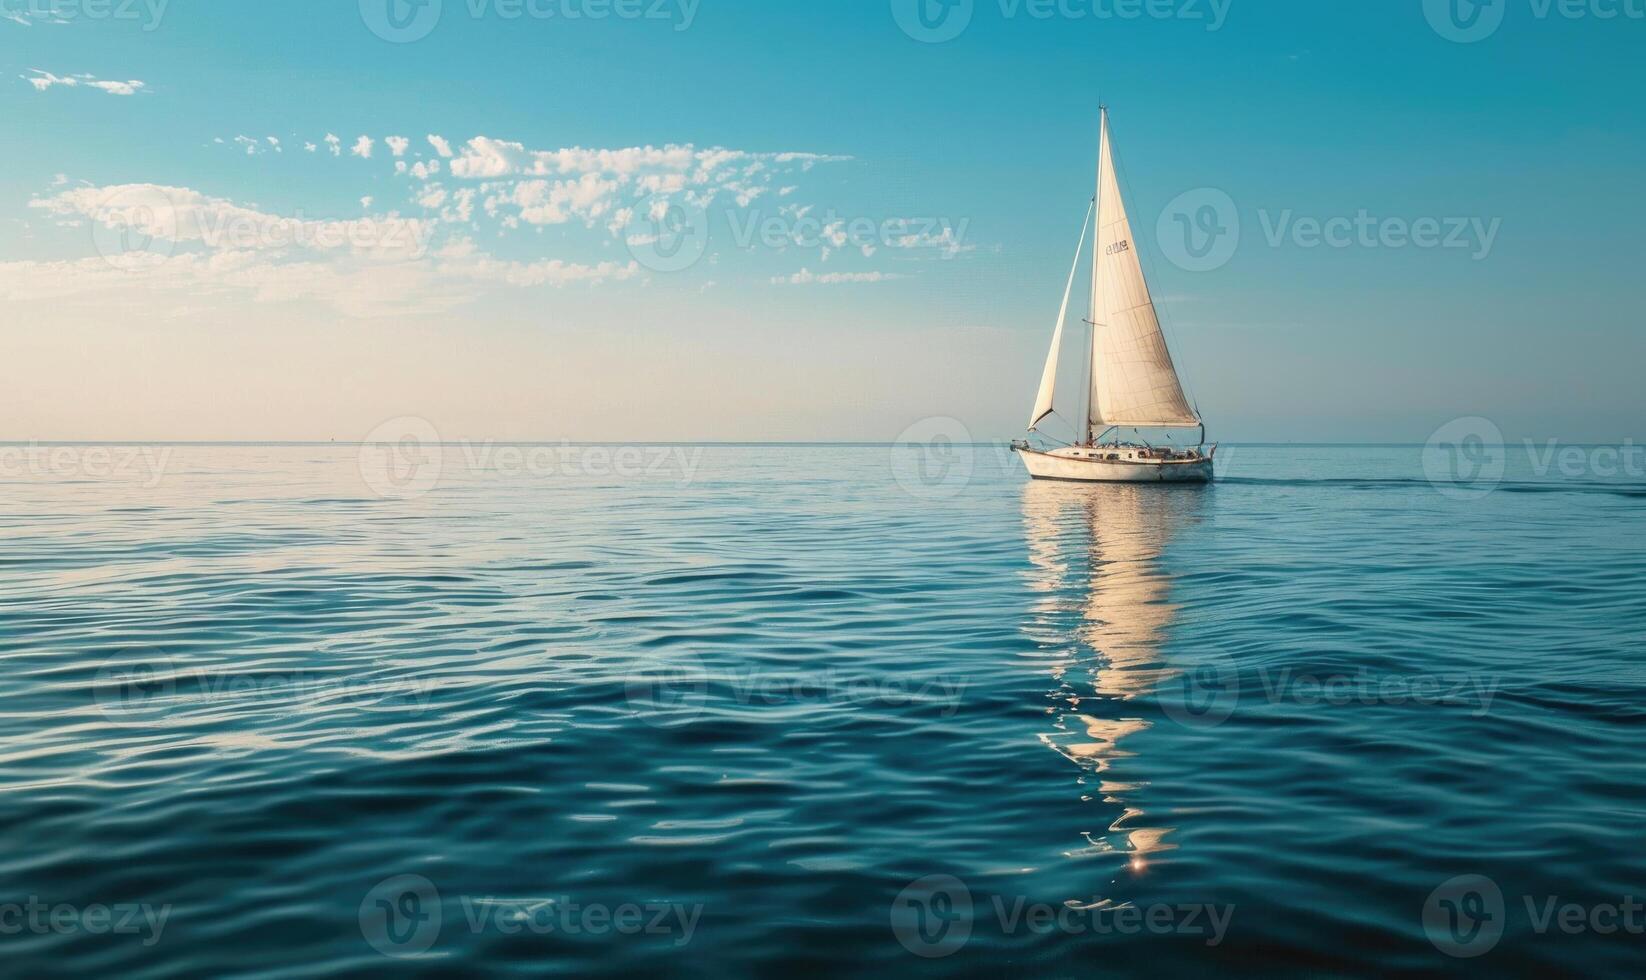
{"x": 1134, "y": 384}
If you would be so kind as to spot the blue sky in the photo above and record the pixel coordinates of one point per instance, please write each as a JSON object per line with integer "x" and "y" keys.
{"x": 964, "y": 164}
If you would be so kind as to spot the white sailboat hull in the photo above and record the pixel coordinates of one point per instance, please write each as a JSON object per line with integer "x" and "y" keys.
{"x": 1093, "y": 466}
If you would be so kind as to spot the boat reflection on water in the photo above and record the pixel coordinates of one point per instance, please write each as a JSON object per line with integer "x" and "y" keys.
{"x": 1096, "y": 554}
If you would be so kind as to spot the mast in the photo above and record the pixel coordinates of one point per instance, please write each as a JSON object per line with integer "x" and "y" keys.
{"x": 1092, "y": 407}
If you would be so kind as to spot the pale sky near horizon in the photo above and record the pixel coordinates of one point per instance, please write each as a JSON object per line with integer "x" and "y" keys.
{"x": 295, "y": 221}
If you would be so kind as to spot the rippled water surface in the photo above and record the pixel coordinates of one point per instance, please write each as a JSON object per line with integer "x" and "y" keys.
{"x": 764, "y": 710}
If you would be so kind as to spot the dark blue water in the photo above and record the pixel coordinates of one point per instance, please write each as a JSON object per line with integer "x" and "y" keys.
{"x": 755, "y": 710}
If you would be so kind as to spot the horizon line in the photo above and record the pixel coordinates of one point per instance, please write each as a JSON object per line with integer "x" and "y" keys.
{"x": 8, "y": 443}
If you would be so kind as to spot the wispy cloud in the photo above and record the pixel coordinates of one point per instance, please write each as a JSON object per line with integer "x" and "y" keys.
{"x": 198, "y": 248}
{"x": 43, "y": 80}
{"x": 253, "y": 145}
{"x": 520, "y": 187}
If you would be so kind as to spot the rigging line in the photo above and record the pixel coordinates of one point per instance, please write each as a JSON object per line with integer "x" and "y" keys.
{"x": 1060, "y": 418}
{"x": 1163, "y": 311}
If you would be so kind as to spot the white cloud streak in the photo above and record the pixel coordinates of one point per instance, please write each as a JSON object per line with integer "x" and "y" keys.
{"x": 43, "y": 80}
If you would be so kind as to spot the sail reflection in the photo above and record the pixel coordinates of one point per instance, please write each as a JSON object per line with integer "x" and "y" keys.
{"x": 1096, "y": 557}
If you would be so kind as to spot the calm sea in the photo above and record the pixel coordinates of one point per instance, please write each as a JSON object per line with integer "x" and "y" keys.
{"x": 855, "y": 710}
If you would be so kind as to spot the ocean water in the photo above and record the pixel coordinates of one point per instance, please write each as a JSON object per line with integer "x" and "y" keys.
{"x": 866, "y": 710}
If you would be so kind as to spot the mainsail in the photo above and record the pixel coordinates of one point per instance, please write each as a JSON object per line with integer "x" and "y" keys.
{"x": 1048, "y": 377}
{"x": 1134, "y": 382}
